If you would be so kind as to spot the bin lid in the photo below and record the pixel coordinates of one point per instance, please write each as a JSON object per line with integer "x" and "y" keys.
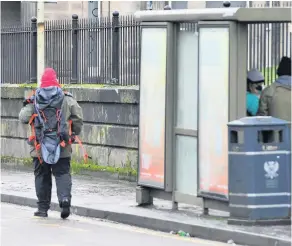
{"x": 258, "y": 121}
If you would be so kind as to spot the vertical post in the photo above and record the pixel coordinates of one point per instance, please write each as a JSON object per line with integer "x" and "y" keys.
{"x": 249, "y": 41}
{"x": 115, "y": 50}
{"x": 93, "y": 42}
{"x": 74, "y": 77}
{"x": 149, "y": 5}
{"x": 99, "y": 6}
{"x": 33, "y": 51}
{"x": 270, "y": 33}
{"x": 40, "y": 40}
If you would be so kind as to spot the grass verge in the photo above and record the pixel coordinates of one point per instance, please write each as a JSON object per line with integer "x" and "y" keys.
{"x": 77, "y": 167}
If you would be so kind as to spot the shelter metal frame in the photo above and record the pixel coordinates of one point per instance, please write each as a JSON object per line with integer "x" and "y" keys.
{"x": 236, "y": 19}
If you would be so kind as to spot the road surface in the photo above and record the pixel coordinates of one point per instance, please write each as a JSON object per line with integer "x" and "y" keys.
{"x": 20, "y": 228}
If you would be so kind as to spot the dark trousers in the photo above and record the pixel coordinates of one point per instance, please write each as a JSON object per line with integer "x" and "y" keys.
{"x": 43, "y": 182}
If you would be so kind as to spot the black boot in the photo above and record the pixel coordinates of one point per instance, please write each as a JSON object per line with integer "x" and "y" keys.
{"x": 40, "y": 213}
{"x": 65, "y": 205}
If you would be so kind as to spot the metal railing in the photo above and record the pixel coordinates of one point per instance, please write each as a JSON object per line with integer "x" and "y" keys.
{"x": 107, "y": 50}
{"x": 98, "y": 51}
{"x": 268, "y": 42}
{"x": 16, "y": 53}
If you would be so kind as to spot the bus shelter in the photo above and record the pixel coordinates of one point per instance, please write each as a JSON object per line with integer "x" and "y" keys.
{"x": 192, "y": 83}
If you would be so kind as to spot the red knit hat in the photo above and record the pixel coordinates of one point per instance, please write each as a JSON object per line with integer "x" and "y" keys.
{"x": 49, "y": 78}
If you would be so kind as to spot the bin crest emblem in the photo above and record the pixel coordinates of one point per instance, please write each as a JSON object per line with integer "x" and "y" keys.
{"x": 271, "y": 169}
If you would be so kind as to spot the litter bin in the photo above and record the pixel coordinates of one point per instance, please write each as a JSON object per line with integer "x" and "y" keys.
{"x": 259, "y": 156}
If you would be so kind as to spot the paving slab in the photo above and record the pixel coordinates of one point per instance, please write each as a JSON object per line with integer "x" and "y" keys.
{"x": 115, "y": 201}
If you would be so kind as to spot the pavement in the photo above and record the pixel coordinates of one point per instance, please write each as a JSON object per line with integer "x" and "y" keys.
{"x": 115, "y": 201}
{"x": 19, "y": 227}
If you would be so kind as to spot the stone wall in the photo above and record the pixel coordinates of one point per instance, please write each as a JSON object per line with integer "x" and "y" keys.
{"x": 110, "y": 131}
{"x": 10, "y": 13}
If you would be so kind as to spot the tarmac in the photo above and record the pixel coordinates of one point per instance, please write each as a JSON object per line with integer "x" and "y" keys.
{"x": 77, "y": 230}
{"x": 115, "y": 201}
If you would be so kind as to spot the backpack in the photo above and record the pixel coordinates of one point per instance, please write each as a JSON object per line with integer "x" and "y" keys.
{"x": 49, "y": 131}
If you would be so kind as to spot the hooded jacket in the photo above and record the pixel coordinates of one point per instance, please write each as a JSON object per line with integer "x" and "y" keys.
{"x": 50, "y": 93}
{"x": 276, "y": 99}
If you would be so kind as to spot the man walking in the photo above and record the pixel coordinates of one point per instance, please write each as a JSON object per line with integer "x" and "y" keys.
{"x": 276, "y": 99}
{"x": 55, "y": 118}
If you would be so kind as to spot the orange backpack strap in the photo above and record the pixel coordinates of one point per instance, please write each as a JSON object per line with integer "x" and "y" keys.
{"x": 70, "y": 128}
{"x": 37, "y": 146}
{"x": 32, "y": 118}
{"x": 85, "y": 155}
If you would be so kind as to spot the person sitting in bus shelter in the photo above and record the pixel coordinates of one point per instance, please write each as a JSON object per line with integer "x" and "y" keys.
{"x": 275, "y": 100}
{"x": 255, "y": 81}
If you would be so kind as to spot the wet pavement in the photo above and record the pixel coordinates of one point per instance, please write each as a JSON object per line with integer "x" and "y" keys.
{"x": 119, "y": 196}
{"x": 19, "y": 227}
